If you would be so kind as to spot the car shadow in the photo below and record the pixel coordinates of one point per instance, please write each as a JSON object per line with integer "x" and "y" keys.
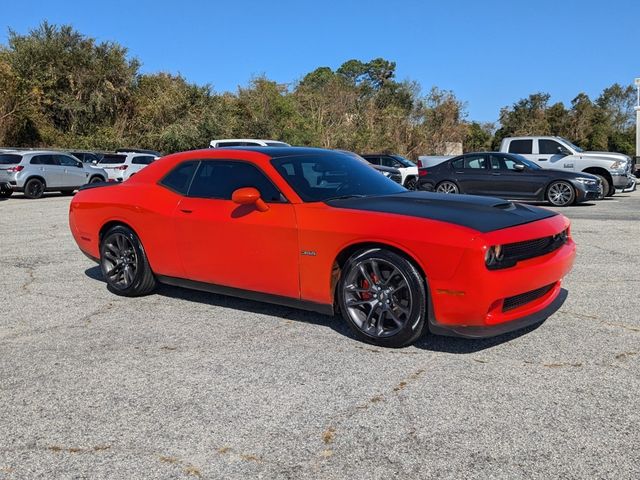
{"x": 429, "y": 342}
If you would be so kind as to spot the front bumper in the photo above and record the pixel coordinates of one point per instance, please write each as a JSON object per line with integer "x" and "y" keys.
{"x": 622, "y": 181}
{"x": 502, "y": 328}
{"x": 479, "y": 301}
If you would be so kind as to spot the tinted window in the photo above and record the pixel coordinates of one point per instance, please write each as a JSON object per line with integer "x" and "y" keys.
{"x": 319, "y": 177}
{"x": 142, "y": 160}
{"x": 10, "y": 159}
{"x": 500, "y": 162}
{"x": 180, "y": 177}
{"x": 276, "y": 144}
{"x": 548, "y": 147}
{"x": 390, "y": 162}
{"x": 67, "y": 161}
{"x": 44, "y": 160}
{"x": 219, "y": 179}
{"x": 113, "y": 159}
{"x": 405, "y": 162}
{"x": 475, "y": 162}
{"x": 521, "y": 146}
{"x": 372, "y": 159}
{"x": 458, "y": 163}
{"x": 237, "y": 144}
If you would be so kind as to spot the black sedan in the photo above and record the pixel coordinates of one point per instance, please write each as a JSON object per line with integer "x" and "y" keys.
{"x": 511, "y": 176}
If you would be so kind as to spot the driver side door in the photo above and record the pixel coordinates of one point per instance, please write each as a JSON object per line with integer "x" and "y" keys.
{"x": 223, "y": 243}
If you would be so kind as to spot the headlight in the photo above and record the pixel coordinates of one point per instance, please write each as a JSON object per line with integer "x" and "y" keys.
{"x": 493, "y": 255}
{"x": 587, "y": 181}
{"x": 619, "y": 164}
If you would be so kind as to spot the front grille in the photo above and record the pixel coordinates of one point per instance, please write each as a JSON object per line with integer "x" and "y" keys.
{"x": 517, "y": 301}
{"x": 512, "y": 253}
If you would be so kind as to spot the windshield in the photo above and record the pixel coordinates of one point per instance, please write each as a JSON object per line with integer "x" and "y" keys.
{"x": 404, "y": 161}
{"x": 8, "y": 159}
{"x": 113, "y": 159}
{"x": 323, "y": 176}
{"x": 575, "y": 147}
{"x": 528, "y": 163}
{"x": 277, "y": 144}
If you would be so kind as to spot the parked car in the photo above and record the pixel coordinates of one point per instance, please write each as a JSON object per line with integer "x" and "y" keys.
{"x": 246, "y": 142}
{"x": 389, "y": 172}
{"x": 510, "y": 176}
{"x": 408, "y": 169}
{"x": 35, "y": 172}
{"x": 614, "y": 169}
{"x": 317, "y": 229}
{"x": 86, "y": 157}
{"x": 122, "y": 166}
{"x": 139, "y": 150}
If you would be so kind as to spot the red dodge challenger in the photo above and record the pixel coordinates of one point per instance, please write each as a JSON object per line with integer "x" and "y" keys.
{"x": 318, "y": 230}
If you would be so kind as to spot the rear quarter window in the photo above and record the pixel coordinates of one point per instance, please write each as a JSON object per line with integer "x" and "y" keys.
{"x": 113, "y": 159}
{"x": 179, "y": 179}
{"x": 521, "y": 146}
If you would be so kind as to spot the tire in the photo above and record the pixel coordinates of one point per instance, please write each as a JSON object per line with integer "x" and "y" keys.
{"x": 67, "y": 192}
{"x": 561, "y": 194}
{"x": 411, "y": 183}
{"x": 606, "y": 187}
{"x": 124, "y": 263}
{"x": 96, "y": 179}
{"x": 447, "y": 187}
{"x": 387, "y": 306}
{"x": 34, "y": 188}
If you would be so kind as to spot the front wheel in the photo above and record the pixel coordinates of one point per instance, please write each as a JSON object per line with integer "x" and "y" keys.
{"x": 124, "y": 263}
{"x": 561, "y": 194}
{"x": 606, "y": 188}
{"x": 382, "y": 297}
{"x": 447, "y": 187}
{"x": 411, "y": 183}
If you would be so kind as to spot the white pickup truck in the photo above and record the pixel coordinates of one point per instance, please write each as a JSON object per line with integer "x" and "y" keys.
{"x": 614, "y": 169}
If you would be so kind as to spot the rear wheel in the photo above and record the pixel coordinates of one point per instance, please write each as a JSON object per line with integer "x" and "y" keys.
{"x": 382, "y": 297}
{"x": 34, "y": 188}
{"x": 96, "y": 180}
{"x": 561, "y": 194}
{"x": 447, "y": 187}
{"x": 124, "y": 263}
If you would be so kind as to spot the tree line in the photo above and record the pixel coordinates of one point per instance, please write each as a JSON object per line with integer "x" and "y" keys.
{"x": 60, "y": 88}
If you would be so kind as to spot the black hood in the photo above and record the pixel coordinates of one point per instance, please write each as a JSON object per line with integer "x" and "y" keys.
{"x": 484, "y": 214}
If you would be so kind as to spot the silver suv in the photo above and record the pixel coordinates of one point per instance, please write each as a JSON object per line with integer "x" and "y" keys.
{"x": 36, "y": 172}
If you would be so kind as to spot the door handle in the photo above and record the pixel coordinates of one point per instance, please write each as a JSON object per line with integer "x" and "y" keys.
{"x": 542, "y": 159}
{"x": 186, "y": 210}
{"x": 495, "y": 173}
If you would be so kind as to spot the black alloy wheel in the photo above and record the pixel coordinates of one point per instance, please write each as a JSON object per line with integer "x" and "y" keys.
{"x": 561, "y": 194}
{"x": 96, "y": 180}
{"x": 382, "y": 297}
{"x": 124, "y": 263}
{"x": 34, "y": 188}
{"x": 447, "y": 187}
{"x": 411, "y": 183}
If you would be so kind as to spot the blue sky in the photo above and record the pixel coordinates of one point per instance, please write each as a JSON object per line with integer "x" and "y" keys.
{"x": 489, "y": 52}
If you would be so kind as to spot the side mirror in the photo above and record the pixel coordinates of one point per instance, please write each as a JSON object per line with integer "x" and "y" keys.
{"x": 94, "y": 162}
{"x": 79, "y": 165}
{"x": 249, "y": 196}
{"x": 518, "y": 167}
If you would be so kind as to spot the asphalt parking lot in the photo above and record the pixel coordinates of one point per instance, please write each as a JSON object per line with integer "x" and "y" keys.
{"x": 183, "y": 384}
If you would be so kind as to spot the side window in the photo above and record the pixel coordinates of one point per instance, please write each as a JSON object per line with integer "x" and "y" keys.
{"x": 66, "y": 161}
{"x": 458, "y": 164}
{"x": 503, "y": 162}
{"x": 495, "y": 162}
{"x": 219, "y": 179}
{"x": 475, "y": 162}
{"x": 374, "y": 160}
{"x": 521, "y": 146}
{"x": 142, "y": 160}
{"x": 548, "y": 147}
{"x": 390, "y": 162}
{"x": 43, "y": 160}
{"x": 180, "y": 177}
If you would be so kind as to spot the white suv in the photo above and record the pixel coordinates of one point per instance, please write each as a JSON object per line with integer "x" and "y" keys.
{"x": 124, "y": 165}
{"x": 246, "y": 142}
{"x": 408, "y": 169}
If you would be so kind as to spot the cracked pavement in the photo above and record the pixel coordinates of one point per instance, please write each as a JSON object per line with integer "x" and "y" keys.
{"x": 185, "y": 384}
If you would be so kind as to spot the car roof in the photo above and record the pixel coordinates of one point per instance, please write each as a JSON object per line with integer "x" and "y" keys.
{"x": 278, "y": 152}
